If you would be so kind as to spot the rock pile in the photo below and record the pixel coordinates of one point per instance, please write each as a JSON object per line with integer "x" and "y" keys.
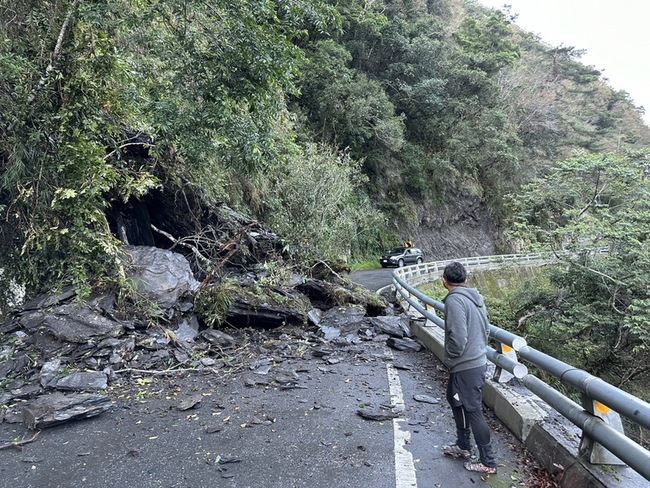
{"x": 59, "y": 356}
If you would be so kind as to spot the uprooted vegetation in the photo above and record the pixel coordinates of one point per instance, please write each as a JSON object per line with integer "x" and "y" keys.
{"x": 201, "y": 284}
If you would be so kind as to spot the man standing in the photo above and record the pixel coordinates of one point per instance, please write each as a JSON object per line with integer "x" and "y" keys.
{"x": 466, "y": 335}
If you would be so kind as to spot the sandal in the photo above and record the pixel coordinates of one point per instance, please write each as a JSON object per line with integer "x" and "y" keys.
{"x": 480, "y": 468}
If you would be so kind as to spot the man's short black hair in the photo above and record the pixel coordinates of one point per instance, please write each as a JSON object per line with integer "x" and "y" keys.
{"x": 455, "y": 273}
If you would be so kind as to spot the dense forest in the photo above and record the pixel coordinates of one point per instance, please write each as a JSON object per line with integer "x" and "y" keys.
{"x": 345, "y": 126}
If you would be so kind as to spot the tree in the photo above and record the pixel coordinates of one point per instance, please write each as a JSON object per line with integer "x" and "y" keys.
{"x": 59, "y": 106}
{"x": 350, "y": 110}
{"x": 584, "y": 205}
{"x": 100, "y": 100}
{"x": 319, "y": 205}
{"x": 205, "y": 82}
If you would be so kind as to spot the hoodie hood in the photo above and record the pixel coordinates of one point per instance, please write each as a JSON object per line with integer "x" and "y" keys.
{"x": 471, "y": 293}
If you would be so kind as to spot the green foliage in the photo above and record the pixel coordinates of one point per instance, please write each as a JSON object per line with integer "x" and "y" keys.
{"x": 318, "y": 206}
{"x": 347, "y": 108}
{"x": 512, "y": 293}
{"x": 441, "y": 85}
{"x": 213, "y": 303}
{"x": 557, "y": 105}
{"x": 585, "y": 204}
{"x": 574, "y": 323}
{"x": 333, "y": 121}
{"x": 52, "y": 147}
{"x": 487, "y": 43}
{"x": 217, "y": 74}
{"x": 434, "y": 290}
{"x": 206, "y": 82}
{"x": 364, "y": 265}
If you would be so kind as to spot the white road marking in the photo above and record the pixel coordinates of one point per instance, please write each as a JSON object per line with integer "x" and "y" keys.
{"x": 404, "y": 467}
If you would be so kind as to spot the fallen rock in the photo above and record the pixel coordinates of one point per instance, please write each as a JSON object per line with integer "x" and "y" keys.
{"x": 84, "y": 381}
{"x": 346, "y": 318}
{"x": 57, "y": 408}
{"x": 426, "y": 399}
{"x": 333, "y": 291}
{"x": 330, "y": 333}
{"x": 72, "y": 323}
{"x": 321, "y": 351}
{"x": 162, "y": 276}
{"x": 188, "y": 329}
{"x": 20, "y": 365}
{"x": 26, "y": 391}
{"x": 394, "y": 326}
{"x": 48, "y": 372}
{"x": 5, "y": 399}
{"x": 341, "y": 325}
{"x": 218, "y": 338}
{"x": 284, "y": 377}
{"x": 247, "y": 311}
{"x": 314, "y": 316}
{"x": 404, "y": 344}
{"x": 189, "y": 402}
{"x": 13, "y": 416}
{"x": 378, "y": 415}
{"x": 46, "y": 301}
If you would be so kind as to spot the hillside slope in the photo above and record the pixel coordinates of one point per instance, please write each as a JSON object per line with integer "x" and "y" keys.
{"x": 346, "y": 127}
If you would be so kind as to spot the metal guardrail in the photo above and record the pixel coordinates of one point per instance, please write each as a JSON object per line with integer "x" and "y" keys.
{"x": 592, "y": 389}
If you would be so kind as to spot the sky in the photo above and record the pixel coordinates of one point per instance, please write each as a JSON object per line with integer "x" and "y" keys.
{"x": 615, "y": 35}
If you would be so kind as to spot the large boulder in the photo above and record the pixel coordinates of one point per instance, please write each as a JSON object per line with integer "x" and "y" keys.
{"x": 164, "y": 277}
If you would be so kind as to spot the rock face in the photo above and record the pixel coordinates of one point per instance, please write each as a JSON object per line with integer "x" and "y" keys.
{"x": 463, "y": 227}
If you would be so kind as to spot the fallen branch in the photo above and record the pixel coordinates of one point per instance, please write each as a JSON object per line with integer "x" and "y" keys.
{"x": 57, "y": 51}
{"x": 19, "y": 443}
{"x": 179, "y": 242}
{"x": 157, "y": 372}
{"x": 162, "y": 372}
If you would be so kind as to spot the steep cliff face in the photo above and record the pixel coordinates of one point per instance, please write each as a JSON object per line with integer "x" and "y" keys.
{"x": 462, "y": 227}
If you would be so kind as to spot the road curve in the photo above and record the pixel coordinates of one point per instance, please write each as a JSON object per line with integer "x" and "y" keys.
{"x": 373, "y": 279}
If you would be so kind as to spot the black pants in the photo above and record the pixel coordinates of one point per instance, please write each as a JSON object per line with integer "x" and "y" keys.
{"x": 465, "y": 396}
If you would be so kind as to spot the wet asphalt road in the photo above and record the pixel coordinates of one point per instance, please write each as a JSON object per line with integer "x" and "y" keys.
{"x": 250, "y": 432}
{"x": 373, "y": 279}
{"x": 256, "y": 436}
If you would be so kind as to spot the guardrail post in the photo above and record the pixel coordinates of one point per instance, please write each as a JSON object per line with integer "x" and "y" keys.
{"x": 408, "y": 303}
{"x": 592, "y": 450}
{"x": 429, "y": 308}
{"x": 501, "y": 375}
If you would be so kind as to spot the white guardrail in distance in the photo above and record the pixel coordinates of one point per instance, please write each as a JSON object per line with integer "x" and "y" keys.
{"x": 595, "y": 392}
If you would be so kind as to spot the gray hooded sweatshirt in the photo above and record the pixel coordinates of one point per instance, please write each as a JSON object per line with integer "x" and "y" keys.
{"x": 466, "y": 329}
